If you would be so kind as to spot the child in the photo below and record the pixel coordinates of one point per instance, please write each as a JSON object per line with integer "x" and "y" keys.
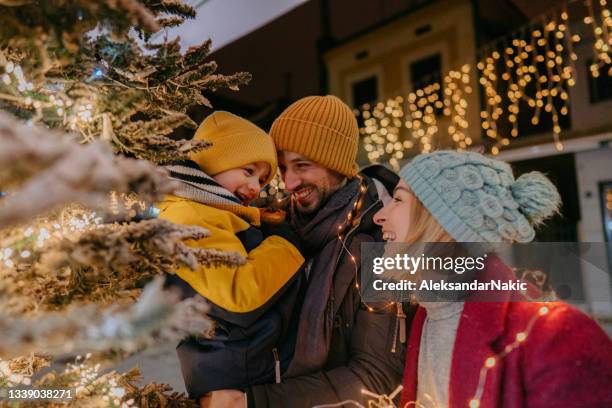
{"x": 252, "y": 304}
{"x": 566, "y": 360}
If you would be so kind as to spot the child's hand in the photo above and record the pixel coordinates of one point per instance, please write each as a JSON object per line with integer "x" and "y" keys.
{"x": 272, "y": 216}
{"x": 223, "y": 399}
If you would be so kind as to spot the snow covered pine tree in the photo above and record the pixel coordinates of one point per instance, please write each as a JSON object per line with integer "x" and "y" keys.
{"x": 90, "y": 101}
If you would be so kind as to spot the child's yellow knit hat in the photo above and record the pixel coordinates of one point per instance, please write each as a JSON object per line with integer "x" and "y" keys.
{"x": 236, "y": 142}
{"x": 321, "y": 128}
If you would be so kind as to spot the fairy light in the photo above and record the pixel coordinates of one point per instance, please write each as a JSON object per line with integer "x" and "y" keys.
{"x": 489, "y": 79}
{"x": 457, "y": 86}
{"x": 275, "y": 189}
{"x": 48, "y": 102}
{"x": 88, "y": 381}
{"x": 537, "y": 68}
{"x": 491, "y": 362}
{"x": 382, "y": 131}
{"x": 23, "y": 242}
{"x": 342, "y": 232}
{"x": 393, "y": 127}
{"x": 601, "y": 25}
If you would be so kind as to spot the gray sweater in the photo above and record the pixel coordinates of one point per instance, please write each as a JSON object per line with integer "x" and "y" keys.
{"x": 436, "y": 351}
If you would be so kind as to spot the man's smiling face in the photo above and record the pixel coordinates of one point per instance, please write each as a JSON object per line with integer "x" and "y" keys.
{"x": 310, "y": 183}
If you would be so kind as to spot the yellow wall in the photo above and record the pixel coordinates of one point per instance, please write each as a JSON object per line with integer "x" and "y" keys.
{"x": 391, "y": 49}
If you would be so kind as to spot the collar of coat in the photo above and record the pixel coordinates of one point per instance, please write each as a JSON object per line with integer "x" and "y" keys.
{"x": 198, "y": 186}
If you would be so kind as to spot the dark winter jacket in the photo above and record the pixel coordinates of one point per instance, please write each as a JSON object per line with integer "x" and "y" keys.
{"x": 255, "y": 306}
{"x": 361, "y": 350}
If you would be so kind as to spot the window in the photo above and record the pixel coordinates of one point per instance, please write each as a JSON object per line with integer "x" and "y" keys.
{"x": 561, "y": 171}
{"x": 605, "y": 198}
{"x": 600, "y": 87}
{"x": 427, "y": 71}
{"x": 562, "y": 228}
{"x": 365, "y": 91}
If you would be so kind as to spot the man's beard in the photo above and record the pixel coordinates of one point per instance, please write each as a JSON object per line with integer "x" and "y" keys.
{"x": 311, "y": 206}
{"x": 308, "y": 212}
{"x": 323, "y": 196}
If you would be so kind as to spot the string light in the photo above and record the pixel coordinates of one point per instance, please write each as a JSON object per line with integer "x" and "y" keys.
{"x": 491, "y": 362}
{"x": 457, "y": 85}
{"x": 601, "y": 24}
{"x": 537, "y": 69}
{"x": 401, "y": 124}
{"x": 275, "y": 189}
{"x": 381, "y": 131}
{"x": 21, "y": 243}
{"x": 51, "y": 101}
{"x": 376, "y": 400}
{"x": 344, "y": 229}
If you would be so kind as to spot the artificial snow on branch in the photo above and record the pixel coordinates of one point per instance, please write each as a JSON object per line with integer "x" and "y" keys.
{"x": 158, "y": 316}
{"x": 54, "y": 170}
{"x": 92, "y": 386}
{"x": 72, "y": 268}
{"x": 104, "y": 262}
{"x": 86, "y": 73}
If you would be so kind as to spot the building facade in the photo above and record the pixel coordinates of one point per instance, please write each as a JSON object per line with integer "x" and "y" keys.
{"x": 369, "y": 53}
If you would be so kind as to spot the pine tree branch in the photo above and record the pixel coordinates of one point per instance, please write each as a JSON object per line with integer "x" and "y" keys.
{"x": 157, "y": 317}
{"x": 99, "y": 264}
{"x": 75, "y": 78}
{"x": 52, "y": 170}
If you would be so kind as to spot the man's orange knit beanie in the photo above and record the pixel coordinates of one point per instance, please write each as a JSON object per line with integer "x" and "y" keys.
{"x": 322, "y": 129}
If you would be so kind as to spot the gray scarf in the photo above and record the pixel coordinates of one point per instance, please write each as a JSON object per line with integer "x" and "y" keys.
{"x": 319, "y": 235}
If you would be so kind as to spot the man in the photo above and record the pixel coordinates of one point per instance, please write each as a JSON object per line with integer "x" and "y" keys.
{"x": 344, "y": 345}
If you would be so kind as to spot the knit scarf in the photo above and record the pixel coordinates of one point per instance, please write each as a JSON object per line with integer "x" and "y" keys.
{"x": 198, "y": 186}
{"x": 319, "y": 236}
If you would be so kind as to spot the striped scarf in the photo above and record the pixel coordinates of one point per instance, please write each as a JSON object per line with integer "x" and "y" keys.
{"x": 198, "y": 186}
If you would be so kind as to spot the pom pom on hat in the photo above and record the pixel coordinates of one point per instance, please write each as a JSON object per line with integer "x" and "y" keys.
{"x": 537, "y": 197}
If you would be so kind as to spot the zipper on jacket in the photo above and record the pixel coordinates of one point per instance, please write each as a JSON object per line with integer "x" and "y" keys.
{"x": 277, "y": 367}
{"x": 400, "y": 327}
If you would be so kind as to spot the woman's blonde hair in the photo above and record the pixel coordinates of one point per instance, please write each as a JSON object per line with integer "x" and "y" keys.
{"x": 423, "y": 226}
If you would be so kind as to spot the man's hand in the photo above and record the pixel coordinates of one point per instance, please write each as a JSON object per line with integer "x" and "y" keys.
{"x": 223, "y": 399}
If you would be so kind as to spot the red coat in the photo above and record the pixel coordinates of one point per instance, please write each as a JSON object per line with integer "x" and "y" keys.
{"x": 566, "y": 361}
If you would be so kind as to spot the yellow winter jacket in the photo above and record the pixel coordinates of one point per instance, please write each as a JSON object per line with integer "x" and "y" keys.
{"x": 269, "y": 266}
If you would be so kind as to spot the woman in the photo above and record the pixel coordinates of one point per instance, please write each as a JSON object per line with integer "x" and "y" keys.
{"x": 490, "y": 354}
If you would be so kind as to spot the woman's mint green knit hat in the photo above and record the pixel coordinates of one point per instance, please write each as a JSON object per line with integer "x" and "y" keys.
{"x": 477, "y": 199}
